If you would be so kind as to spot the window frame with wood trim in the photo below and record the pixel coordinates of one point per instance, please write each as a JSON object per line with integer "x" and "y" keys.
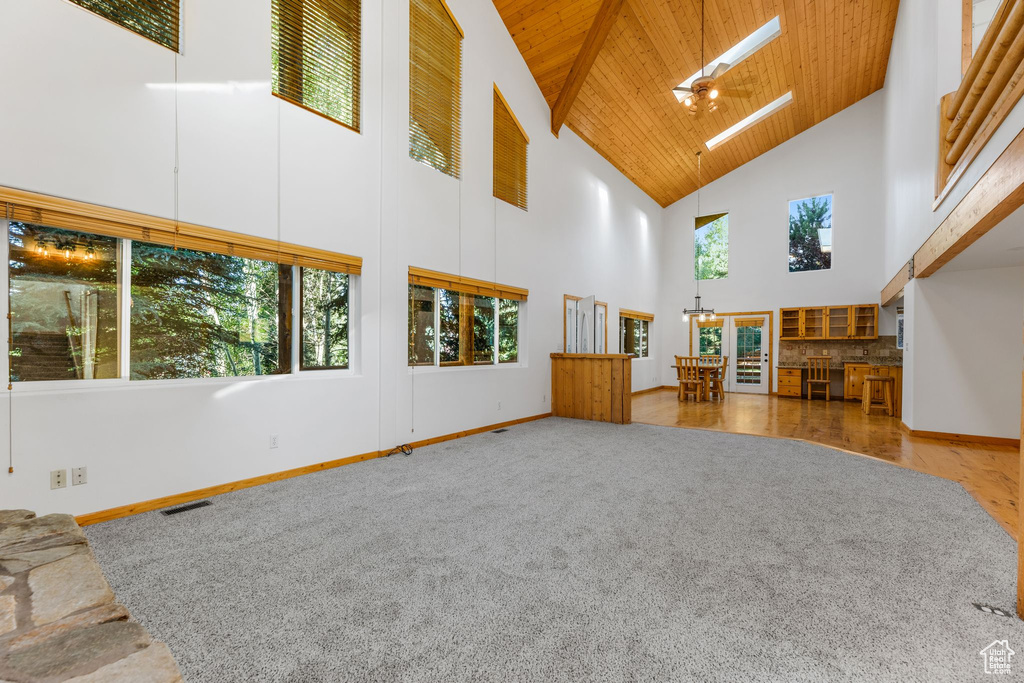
{"x": 447, "y": 316}
{"x": 634, "y": 331}
{"x": 164, "y": 243}
{"x": 162, "y": 27}
{"x": 511, "y": 153}
{"x": 316, "y": 57}
{"x": 435, "y": 86}
{"x": 711, "y": 325}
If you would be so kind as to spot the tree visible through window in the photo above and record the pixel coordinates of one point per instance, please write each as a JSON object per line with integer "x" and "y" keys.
{"x": 198, "y": 314}
{"x": 471, "y": 329}
{"x": 325, "y": 320}
{"x": 711, "y": 341}
{"x": 711, "y": 247}
{"x": 810, "y": 234}
{"x": 634, "y": 337}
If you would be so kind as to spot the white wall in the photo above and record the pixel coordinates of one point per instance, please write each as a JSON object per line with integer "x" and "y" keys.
{"x": 90, "y": 115}
{"x": 842, "y": 156}
{"x": 965, "y": 342}
{"x": 924, "y": 64}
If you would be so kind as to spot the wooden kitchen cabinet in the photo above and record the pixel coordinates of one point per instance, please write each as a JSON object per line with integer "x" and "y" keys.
{"x": 832, "y": 322}
{"x": 790, "y": 383}
{"x": 853, "y": 382}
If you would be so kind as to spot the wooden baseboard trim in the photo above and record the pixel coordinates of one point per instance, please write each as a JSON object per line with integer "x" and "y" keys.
{"x": 651, "y": 390}
{"x": 189, "y": 496}
{"x": 963, "y": 438}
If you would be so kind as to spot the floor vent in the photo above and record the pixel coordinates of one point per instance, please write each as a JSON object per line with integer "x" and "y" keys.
{"x": 499, "y": 431}
{"x": 186, "y": 508}
{"x": 992, "y": 610}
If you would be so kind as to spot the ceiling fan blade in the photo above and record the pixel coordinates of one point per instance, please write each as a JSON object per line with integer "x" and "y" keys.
{"x": 720, "y": 70}
{"x": 682, "y": 89}
{"x": 736, "y": 93}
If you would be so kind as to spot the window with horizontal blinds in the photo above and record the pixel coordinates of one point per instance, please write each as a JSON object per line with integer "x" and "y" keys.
{"x": 315, "y": 56}
{"x": 158, "y": 20}
{"x": 435, "y": 86}
{"x": 30, "y": 207}
{"x": 510, "y": 143}
{"x": 466, "y": 285}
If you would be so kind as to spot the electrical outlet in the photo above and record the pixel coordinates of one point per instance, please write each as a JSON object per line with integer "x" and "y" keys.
{"x": 58, "y": 479}
{"x": 274, "y": 441}
{"x": 78, "y": 476}
{"x": 865, "y": 352}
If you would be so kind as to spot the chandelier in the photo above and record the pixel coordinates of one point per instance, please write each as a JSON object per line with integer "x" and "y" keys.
{"x": 702, "y": 314}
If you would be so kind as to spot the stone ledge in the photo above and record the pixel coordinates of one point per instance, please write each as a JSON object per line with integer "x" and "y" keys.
{"x": 59, "y": 620}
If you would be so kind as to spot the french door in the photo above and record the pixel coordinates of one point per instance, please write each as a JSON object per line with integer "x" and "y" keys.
{"x": 748, "y": 338}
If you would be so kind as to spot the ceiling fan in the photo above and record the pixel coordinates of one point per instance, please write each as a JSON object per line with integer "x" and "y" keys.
{"x": 702, "y": 93}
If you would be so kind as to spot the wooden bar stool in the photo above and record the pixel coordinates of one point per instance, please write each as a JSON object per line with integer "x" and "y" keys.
{"x": 819, "y": 376}
{"x": 888, "y": 387}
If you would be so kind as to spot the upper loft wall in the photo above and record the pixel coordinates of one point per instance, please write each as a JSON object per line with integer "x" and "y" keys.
{"x": 842, "y": 156}
{"x": 924, "y": 65}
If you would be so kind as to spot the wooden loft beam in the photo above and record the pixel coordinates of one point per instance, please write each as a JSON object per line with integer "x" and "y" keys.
{"x": 606, "y": 16}
{"x": 894, "y": 290}
{"x": 998, "y": 193}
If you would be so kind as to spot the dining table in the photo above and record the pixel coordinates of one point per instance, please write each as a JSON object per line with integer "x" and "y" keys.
{"x": 706, "y": 367}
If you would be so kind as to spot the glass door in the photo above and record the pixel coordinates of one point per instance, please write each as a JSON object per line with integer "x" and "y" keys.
{"x": 749, "y": 369}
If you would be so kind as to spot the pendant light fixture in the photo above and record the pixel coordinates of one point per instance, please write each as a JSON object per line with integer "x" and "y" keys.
{"x": 702, "y": 314}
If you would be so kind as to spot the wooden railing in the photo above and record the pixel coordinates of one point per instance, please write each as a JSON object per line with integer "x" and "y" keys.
{"x": 992, "y": 85}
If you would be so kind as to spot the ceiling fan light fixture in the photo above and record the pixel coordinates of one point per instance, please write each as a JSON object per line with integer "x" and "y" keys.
{"x": 713, "y": 94}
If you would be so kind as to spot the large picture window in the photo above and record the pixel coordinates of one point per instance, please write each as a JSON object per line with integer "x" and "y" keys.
{"x": 452, "y": 327}
{"x": 197, "y": 314}
{"x": 710, "y": 336}
{"x": 99, "y": 293}
{"x": 325, "y": 319}
{"x": 711, "y": 247}
{"x": 810, "y": 234}
{"x": 64, "y": 304}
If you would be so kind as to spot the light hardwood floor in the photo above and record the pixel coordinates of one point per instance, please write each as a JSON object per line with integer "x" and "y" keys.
{"x": 987, "y": 472}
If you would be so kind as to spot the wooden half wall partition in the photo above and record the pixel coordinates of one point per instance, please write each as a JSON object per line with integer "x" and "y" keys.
{"x": 591, "y": 386}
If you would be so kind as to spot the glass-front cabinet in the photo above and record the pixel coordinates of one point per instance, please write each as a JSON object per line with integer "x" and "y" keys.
{"x": 831, "y": 322}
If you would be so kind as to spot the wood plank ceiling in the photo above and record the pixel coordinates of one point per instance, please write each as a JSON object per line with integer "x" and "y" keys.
{"x": 831, "y": 54}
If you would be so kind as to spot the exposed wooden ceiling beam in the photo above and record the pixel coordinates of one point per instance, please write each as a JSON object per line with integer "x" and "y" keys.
{"x": 997, "y": 194}
{"x": 606, "y": 16}
{"x": 894, "y": 290}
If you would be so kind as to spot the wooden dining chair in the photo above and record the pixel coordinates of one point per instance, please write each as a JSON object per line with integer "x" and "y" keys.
{"x": 818, "y": 376}
{"x": 688, "y": 374}
{"x": 716, "y": 383}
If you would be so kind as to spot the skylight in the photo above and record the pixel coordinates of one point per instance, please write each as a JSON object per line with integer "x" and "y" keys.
{"x": 741, "y": 50}
{"x": 761, "y": 113}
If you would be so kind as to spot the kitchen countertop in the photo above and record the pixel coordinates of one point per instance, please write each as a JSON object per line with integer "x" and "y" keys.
{"x": 840, "y": 364}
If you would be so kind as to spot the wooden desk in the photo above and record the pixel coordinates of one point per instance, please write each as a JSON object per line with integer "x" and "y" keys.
{"x": 592, "y": 386}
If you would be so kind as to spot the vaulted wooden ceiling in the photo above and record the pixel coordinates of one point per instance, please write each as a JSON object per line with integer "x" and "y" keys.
{"x": 831, "y": 53}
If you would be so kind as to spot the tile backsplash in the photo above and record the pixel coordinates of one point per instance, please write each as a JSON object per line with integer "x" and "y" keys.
{"x": 881, "y": 351}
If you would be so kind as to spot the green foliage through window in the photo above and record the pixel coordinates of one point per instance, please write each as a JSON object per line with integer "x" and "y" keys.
{"x": 470, "y": 329}
{"x": 711, "y": 341}
{"x": 197, "y": 314}
{"x": 158, "y": 20}
{"x": 810, "y": 234}
{"x": 315, "y": 56}
{"x": 325, "y": 319}
{"x": 711, "y": 247}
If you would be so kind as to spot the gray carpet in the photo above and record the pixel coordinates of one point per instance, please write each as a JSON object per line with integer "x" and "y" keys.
{"x": 564, "y": 550}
